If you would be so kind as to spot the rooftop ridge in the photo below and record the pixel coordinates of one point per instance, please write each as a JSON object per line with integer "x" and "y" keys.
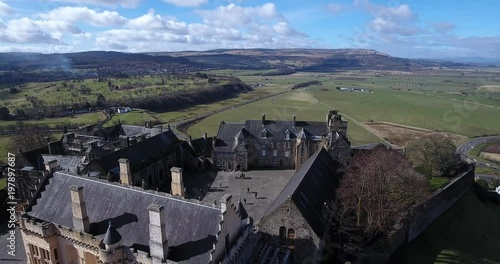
{"x": 139, "y": 189}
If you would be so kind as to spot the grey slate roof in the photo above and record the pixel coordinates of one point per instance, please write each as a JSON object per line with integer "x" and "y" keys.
{"x": 141, "y": 151}
{"x": 134, "y": 131}
{"x": 191, "y": 227}
{"x": 112, "y": 236}
{"x": 34, "y": 158}
{"x": 66, "y": 162}
{"x": 310, "y": 187}
{"x": 276, "y": 130}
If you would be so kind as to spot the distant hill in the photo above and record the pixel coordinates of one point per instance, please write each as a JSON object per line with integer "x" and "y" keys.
{"x": 86, "y": 60}
{"x": 308, "y": 59}
{"x": 27, "y": 67}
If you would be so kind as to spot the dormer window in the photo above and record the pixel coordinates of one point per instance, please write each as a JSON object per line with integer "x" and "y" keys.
{"x": 264, "y": 133}
{"x": 287, "y": 135}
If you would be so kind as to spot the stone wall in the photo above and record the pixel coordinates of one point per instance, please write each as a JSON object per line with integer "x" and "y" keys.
{"x": 421, "y": 215}
{"x": 288, "y": 215}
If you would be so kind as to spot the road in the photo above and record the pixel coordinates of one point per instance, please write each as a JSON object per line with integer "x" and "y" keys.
{"x": 464, "y": 149}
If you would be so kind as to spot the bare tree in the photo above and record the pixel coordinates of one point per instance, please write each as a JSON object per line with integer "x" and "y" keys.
{"x": 378, "y": 187}
{"x": 29, "y": 137}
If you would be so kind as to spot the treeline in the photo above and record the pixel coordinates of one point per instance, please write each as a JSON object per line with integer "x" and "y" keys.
{"x": 207, "y": 93}
{"x": 277, "y": 72}
{"x": 305, "y": 84}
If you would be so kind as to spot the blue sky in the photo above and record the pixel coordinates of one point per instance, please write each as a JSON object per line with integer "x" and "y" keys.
{"x": 413, "y": 29}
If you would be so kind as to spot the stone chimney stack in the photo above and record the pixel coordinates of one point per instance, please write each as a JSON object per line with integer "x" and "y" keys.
{"x": 125, "y": 174}
{"x": 294, "y": 123}
{"x": 224, "y": 202}
{"x": 263, "y": 119}
{"x": 177, "y": 183}
{"x": 158, "y": 243}
{"x": 51, "y": 165}
{"x": 80, "y": 218}
{"x": 204, "y": 135}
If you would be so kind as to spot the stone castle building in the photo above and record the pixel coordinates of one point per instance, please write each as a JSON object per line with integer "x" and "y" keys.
{"x": 297, "y": 222}
{"x": 84, "y": 220}
{"x": 278, "y": 144}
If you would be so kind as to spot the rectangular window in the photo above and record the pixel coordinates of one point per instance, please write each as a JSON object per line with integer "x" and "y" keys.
{"x": 263, "y": 153}
{"x": 275, "y": 153}
{"x": 287, "y": 136}
{"x": 287, "y": 154}
{"x": 287, "y": 145}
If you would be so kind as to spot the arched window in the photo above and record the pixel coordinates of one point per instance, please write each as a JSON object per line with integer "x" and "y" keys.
{"x": 291, "y": 238}
{"x": 282, "y": 235}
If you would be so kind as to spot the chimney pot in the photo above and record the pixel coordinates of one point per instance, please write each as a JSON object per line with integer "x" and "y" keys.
{"x": 263, "y": 119}
{"x": 294, "y": 123}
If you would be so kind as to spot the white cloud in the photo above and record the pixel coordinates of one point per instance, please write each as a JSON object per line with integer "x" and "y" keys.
{"x": 84, "y": 14}
{"x": 5, "y": 9}
{"x": 282, "y": 28}
{"x": 26, "y": 30}
{"x": 233, "y": 15}
{"x": 151, "y": 21}
{"x": 121, "y": 3}
{"x": 187, "y": 3}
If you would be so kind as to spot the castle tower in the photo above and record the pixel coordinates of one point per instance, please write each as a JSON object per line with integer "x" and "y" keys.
{"x": 302, "y": 148}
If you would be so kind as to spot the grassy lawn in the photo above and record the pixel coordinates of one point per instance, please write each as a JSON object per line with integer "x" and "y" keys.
{"x": 438, "y": 182}
{"x": 488, "y": 171}
{"x": 475, "y": 153}
{"x": 88, "y": 118}
{"x": 465, "y": 233}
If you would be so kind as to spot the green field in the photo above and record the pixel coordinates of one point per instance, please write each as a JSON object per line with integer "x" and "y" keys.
{"x": 465, "y": 233}
{"x": 432, "y": 105}
{"x": 81, "y": 119}
{"x": 69, "y": 92}
{"x": 283, "y": 107}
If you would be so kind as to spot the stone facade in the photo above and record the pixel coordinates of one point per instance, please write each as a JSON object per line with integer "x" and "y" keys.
{"x": 278, "y": 144}
{"x": 287, "y": 227}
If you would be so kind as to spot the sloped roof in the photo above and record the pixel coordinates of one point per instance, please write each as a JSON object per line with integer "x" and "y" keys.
{"x": 201, "y": 145}
{"x": 162, "y": 143}
{"x": 226, "y": 136}
{"x": 34, "y": 157}
{"x": 310, "y": 187}
{"x": 191, "y": 227}
{"x": 112, "y": 236}
{"x": 275, "y": 130}
{"x": 134, "y": 131}
{"x": 66, "y": 162}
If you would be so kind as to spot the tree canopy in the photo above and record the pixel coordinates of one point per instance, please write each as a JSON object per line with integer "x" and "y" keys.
{"x": 432, "y": 154}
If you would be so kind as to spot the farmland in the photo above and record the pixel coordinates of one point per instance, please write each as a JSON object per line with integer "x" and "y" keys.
{"x": 428, "y": 101}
